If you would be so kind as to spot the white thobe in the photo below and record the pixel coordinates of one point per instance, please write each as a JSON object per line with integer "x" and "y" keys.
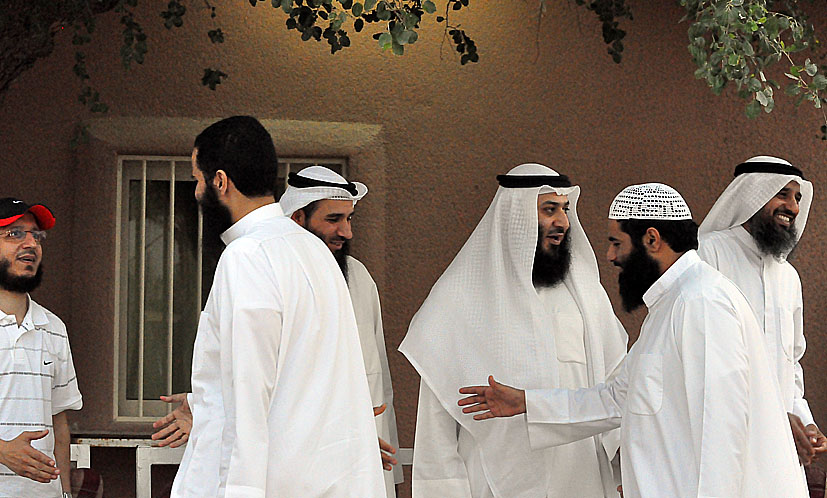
{"x": 280, "y": 404}
{"x": 773, "y": 289}
{"x": 448, "y": 462}
{"x": 368, "y": 312}
{"x": 699, "y": 409}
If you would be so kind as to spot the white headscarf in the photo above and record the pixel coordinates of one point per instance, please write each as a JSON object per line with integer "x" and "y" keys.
{"x": 483, "y": 316}
{"x": 749, "y": 192}
{"x": 295, "y": 198}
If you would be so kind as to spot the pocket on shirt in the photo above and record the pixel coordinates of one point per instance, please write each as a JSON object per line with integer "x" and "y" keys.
{"x": 646, "y": 385}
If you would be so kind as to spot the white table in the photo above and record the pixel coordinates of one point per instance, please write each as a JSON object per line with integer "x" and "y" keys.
{"x": 146, "y": 455}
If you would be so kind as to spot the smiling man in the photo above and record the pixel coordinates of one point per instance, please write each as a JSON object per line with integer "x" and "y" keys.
{"x": 322, "y": 201}
{"x": 38, "y": 378}
{"x": 748, "y": 235}
{"x": 523, "y": 299}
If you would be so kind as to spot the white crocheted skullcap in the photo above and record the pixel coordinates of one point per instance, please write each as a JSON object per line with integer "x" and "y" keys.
{"x": 649, "y": 201}
{"x": 295, "y": 198}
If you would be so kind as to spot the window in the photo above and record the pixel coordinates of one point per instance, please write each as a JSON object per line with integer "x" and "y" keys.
{"x": 166, "y": 258}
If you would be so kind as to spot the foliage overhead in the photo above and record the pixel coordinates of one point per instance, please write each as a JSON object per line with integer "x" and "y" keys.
{"x": 748, "y": 44}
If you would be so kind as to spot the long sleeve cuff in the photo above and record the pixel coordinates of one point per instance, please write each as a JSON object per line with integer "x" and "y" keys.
{"x": 544, "y": 411}
{"x": 802, "y": 409}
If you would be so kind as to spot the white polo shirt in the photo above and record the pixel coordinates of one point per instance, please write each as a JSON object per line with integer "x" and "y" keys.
{"x": 37, "y": 381}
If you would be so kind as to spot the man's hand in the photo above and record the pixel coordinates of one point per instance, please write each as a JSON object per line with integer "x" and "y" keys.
{"x": 176, "y": 426}
{"x": 385, "y": 448}
{"x": 500, "y": 400}
{"x": 802, "y": 441}
{"x": 817, "y": 439}
{"x": 23, "y": 460}
{"x": 387, "y": 451}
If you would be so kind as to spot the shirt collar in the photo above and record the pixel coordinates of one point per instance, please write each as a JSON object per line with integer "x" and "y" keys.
{"x": 251, "y": 219}
{"x": 34, "y": 316}
{"x": 669, "y": 277}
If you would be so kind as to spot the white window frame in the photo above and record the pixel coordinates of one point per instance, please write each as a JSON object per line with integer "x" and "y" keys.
{"x": 142, "y": 410}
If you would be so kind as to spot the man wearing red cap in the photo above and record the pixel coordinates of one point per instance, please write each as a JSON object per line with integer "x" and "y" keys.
{"x": 38, "y": 378}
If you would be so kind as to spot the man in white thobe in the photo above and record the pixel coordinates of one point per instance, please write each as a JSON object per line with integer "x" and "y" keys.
{"x": 322, "y": 201}
{"x": 699, "y": 408}
{"x": 522, "y": 298}
{"x": 747, "y": 236}
{"x": 279, "y": 400}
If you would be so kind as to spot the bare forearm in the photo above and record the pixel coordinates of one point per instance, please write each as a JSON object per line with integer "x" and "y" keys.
{"x": 62, "y": 450}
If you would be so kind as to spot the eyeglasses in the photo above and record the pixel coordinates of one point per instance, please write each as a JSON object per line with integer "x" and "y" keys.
{"x": 18, "y": 234}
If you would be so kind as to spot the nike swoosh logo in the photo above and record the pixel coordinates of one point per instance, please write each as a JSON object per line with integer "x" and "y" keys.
{"x": 48, "y": 362}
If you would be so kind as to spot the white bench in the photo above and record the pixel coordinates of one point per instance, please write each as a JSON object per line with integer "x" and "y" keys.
{"x": 147, "y": 455}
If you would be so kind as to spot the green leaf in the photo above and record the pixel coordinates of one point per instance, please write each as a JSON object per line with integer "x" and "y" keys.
{"x": 212, "y": 78}
{"x": 370, "y": 4}
{"x": 398, "y": 49}
{"x": 762, "y": 98}
{"x": 216, "y": 35}
{"x": 357, "y": 9}
{"x": 753, "y": 85}
{"x": 428, "y": 6}
{"x": 819, "y": 82}
{"x": 403, "y": 37}
{"x": 385, "y": 40}
{"x": 753, "y": 109}
{"x": 811, "y": 68}
{"x": 792, "y": 90}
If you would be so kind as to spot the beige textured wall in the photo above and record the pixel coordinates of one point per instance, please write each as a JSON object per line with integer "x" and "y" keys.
{"x": 446, "y": 131}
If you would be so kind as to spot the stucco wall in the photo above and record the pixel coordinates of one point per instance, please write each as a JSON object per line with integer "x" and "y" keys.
{"x": 445, "y": 131}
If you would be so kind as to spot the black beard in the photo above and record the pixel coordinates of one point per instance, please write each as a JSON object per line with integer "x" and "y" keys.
{"x": 640, "y": 271}
{"x": 772, "y": 239}
{"x": 551, "y": 267}
{"x": 16, "y": 283}
{"x": 217, "y": 216}
{"x": 341, "y": 257}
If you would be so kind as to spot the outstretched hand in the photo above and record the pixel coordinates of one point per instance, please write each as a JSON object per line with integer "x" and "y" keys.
{"x": 176, "y": 426}
{"x": 493, "y": 400}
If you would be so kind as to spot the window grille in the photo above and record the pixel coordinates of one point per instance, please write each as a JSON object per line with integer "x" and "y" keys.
{"x": 165, "y": 260}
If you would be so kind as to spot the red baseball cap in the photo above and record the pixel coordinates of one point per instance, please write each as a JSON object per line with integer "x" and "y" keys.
{"x": 12, "y": 209}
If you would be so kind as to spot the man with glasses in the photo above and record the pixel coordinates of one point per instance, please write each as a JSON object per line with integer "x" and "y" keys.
{"x": 39, "y": 383}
